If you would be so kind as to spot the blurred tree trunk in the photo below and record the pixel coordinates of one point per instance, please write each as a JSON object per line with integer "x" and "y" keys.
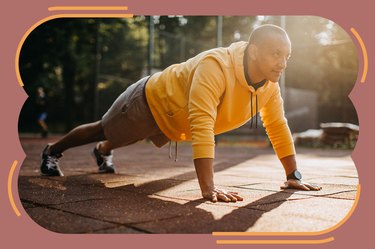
{"x": 68, "y": 75}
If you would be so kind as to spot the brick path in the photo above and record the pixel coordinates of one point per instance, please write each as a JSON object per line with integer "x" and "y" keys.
{"x": 154, "y": 194}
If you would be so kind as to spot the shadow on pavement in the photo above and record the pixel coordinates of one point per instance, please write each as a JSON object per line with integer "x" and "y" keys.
{"x": 132, "y": 207}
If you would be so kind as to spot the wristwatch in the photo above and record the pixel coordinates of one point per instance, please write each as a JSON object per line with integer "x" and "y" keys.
{"x": 294, "y": 175}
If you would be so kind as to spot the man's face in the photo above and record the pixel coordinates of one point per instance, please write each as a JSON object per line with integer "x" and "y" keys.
{"x": 271, "y": 57}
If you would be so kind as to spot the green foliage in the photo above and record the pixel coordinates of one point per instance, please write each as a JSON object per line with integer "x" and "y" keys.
{"x": 69, "y": 57}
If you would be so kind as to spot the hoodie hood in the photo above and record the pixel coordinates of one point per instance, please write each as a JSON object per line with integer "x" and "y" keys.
{"x": 237, "y": 51}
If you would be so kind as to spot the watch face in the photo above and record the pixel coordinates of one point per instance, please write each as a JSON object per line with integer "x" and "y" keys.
{"x": 297, "y": 175}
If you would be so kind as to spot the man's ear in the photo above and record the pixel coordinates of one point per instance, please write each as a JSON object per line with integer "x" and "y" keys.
{"x": 253, "y": 52}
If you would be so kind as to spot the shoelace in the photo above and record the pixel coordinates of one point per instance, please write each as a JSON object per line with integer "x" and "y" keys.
{"x": 107, "y": 159}
{"x": 52, "y": 162}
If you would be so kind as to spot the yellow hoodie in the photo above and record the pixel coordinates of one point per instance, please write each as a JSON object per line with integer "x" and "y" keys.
{"x": 208, "y": 94}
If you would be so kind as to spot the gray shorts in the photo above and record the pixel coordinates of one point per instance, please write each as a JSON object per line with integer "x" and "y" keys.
{"x": 129, "y": 119}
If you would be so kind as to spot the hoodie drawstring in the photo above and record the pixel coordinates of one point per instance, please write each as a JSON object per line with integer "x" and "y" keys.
{"x": 256, "y": 111}
{"x": 175, "y": 151}
{"x": 251, "y": 107}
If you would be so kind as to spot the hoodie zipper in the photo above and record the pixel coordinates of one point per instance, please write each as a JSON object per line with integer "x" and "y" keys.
{"x": 256, "y": 110}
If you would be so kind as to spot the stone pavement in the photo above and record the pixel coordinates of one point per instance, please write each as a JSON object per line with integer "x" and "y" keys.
{"x": 154, "y": 194}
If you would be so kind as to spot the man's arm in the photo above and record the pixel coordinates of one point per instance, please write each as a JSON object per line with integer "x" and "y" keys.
{"x": 205, "y": 174}
{"x": 289, "y": 163}
{"x": 205, "y": 92}
{"x": 279, "y": 133}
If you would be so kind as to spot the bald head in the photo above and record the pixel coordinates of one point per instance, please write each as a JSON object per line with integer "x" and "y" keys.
{"x": 265, "y": 32}
{"x": 268, "y": 51}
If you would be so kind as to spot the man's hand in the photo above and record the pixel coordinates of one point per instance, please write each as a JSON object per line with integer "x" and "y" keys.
{"x": 297, "y": 184}
{"x": 289, "y": 163}
{"x": 221, "y": 195}
{"x": 205, "y": 173}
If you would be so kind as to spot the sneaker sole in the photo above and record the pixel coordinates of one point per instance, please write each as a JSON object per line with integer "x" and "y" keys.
{"x": 107, "y": 171}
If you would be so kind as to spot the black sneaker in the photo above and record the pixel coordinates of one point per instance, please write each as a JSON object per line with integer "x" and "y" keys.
{"x": 104, "y": 161}
{"x": 49, "y": 165}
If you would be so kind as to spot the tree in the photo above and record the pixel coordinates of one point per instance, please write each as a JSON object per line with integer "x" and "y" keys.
{"x": 63, "y": 56}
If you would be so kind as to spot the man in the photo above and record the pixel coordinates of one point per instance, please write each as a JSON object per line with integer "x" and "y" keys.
{"x": 214, "y": 92}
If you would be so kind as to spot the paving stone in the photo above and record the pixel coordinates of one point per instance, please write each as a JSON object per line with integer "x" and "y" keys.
{"x": 343, "y": 180}
{"x": 252, "y": 199}
{"x": 313, "y": 214}
{"x": 127, "y": 207}
{"x": 154, "y": 194}
{"x": 63, "y": 222}
{"x": 348, "y": 195}
{"x": 327, "y": 189}
{"x": 27, "y": 205}
{"x": 48, "y": 191}
{"x": 202, "y": 220}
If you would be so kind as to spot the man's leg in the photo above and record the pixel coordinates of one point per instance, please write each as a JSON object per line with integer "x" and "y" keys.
{"x": 44, "y": 127}
{"x": 105, "y": 147}
{"x": 81, "y": 135}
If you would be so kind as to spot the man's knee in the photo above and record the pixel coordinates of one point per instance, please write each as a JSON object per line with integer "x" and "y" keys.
{"x": 100, "y": 130}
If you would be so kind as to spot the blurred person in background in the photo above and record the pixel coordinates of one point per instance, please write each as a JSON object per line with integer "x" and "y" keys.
{"x": 41, "y": 111}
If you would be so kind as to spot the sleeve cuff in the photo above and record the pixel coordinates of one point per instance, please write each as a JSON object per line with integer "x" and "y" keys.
{"x": 286, "y": 151}
{"x": 203, "y": 151}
